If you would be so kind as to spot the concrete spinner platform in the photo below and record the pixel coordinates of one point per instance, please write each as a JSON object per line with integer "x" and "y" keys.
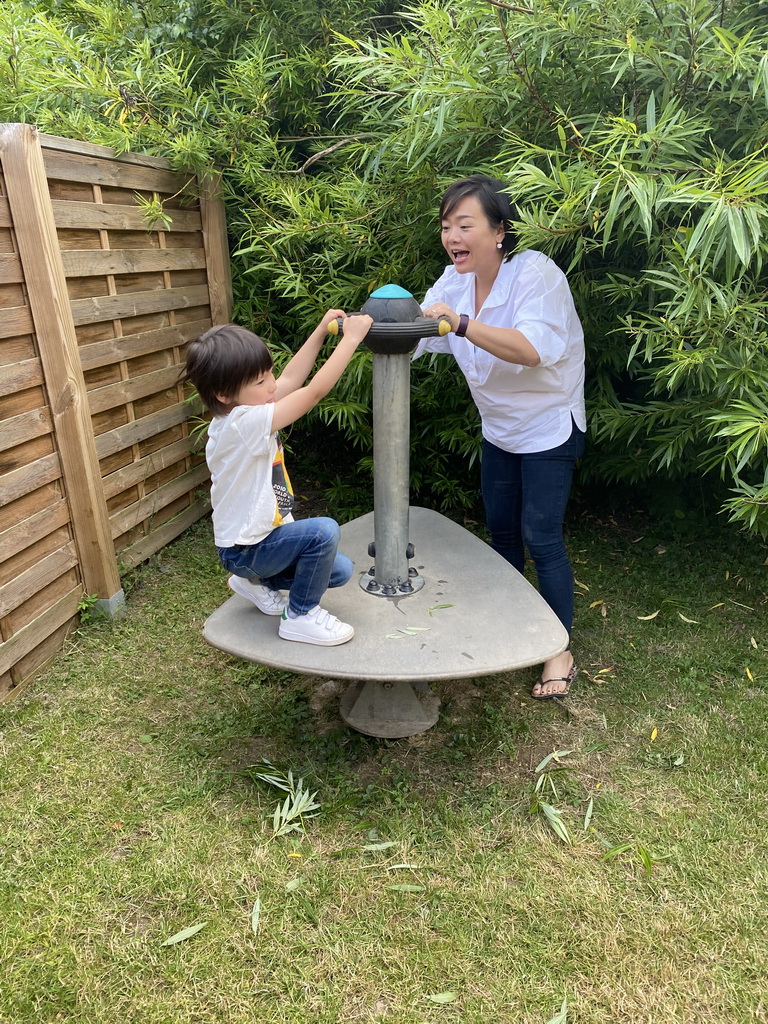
{"x": 496, "y": 621}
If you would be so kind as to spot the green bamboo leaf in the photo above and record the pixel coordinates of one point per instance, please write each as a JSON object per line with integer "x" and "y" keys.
{"x": 185, "y": 933}
{"x": 562, "y": 1016}
{"x": 554, "y": 756}
{"x": 588, "y": 815}
{"x": 442, "y": 997}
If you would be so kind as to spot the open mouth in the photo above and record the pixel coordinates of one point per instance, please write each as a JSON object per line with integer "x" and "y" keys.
{"x": 459, "y": 255}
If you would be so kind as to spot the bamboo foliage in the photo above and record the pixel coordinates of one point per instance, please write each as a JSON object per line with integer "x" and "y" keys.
{"x": 632, "y": 134}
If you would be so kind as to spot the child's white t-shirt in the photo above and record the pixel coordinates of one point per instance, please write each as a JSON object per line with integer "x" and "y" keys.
{"x": 250, "y": 489}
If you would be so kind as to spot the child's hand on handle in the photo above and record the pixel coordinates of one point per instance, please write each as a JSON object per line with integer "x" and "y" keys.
{"x": 329, "y": 317}
{"x": 356, "y": 327}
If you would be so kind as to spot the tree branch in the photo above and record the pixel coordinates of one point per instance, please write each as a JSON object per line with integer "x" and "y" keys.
{"x": 510, "y": 7}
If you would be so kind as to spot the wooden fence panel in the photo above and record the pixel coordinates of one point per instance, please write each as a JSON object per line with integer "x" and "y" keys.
{"x": 97, "y": 465}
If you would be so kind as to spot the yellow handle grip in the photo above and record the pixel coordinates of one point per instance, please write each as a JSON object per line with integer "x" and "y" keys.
{"x": 334, "y": 326}
{"x": 444, "y": 326}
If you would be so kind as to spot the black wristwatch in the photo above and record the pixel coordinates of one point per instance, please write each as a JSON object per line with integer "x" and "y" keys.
{"x": 461, "y": 330}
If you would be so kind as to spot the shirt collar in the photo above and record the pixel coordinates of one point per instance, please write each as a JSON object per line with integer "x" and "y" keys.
{"x": 498, "y": 296}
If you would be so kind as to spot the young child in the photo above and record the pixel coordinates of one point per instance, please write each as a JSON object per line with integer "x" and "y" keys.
{"x": 256, "y": 537}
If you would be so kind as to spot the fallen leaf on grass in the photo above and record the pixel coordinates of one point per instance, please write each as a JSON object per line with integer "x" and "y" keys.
{"x": 646, "y": 618}
{"x": 693, "y": 622}
{"x": 255, "y": 915}
{"x": 654, "y": 733}
{"x": 185, "y": 933}
{"x": 442, "y": 997}
{"x": 562, "y": 1017}
{"x": 749, "y": 674}
{"x": 404, "y": 887}
{"x": 753, "y": 642}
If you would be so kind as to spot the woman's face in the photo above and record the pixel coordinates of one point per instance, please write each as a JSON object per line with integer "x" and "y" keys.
{"x": 471, "y": 240}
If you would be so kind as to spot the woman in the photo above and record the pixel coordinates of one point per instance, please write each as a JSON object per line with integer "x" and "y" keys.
{"x": 517, "y": 339}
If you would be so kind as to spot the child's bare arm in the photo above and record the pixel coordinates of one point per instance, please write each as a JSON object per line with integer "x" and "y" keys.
{"x": 299, "y": 402}
{"x": 300, "y": 365}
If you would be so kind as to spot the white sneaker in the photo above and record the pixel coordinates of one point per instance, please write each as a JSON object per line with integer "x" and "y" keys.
{"x": 271, "y": 602}
{"x": 316, "y": 627}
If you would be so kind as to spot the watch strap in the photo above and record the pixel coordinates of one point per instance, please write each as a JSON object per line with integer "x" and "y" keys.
{"x": 461, "y": 330}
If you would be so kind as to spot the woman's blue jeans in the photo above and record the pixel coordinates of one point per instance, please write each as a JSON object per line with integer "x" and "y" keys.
{"x": 301, "y": 557}
{"x": 525, "y": 498}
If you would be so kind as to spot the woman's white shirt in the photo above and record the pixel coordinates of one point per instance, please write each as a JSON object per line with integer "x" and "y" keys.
{"x": 523, "y": 409}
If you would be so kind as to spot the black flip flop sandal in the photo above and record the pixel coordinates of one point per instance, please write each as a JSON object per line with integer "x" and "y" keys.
{"x": 568, "y": 680}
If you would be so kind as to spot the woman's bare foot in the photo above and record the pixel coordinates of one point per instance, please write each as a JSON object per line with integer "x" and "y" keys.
{"x": 554, "y": 680}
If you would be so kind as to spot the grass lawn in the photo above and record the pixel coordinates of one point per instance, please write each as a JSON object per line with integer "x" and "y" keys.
{"x": 444, "y": 878}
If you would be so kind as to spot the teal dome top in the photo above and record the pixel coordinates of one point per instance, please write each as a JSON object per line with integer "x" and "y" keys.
{"x": 391, "y": 291}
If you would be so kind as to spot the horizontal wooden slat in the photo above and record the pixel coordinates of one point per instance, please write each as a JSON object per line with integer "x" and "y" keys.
{"x": 21, "y": 481}
{"x": 120, "y": 438}
{"x": 116, "y": 217}
{"x": 138, "y": 471}
{"x": 29, "y": 583}
{"x": 5, "y": 213}
{"x": 130, "y": 390}
{"x": 25, "y": 670}
{"x": 93, "y": 149}
{"x": 33, "y": 634}
{"x": 27, "y": 425}
{"x": 14, "y": 321}
{"x": 114, "y": 350}
{"x": 95, "y": 170}
{"x": 114, "y": 307}
{"x": 91, "y": 262}
{"x": 157, "y": 499}
{"x": 33, "y": 529}
{"x": 10, "y": 268}
{"x": 20, "y": 376}
{"x": 146, "y": 546}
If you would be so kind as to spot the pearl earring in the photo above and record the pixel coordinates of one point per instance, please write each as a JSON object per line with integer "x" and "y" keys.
{"x": 499, "y": 245}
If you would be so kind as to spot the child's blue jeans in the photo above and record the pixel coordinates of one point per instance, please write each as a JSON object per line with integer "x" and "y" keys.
{"x": 301, "y": 557}
{"x": 525, "y": 498}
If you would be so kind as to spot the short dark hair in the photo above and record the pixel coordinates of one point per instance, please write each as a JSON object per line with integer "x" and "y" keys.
{"x": 221, "y": 360}
{"x": 493, "y": 198}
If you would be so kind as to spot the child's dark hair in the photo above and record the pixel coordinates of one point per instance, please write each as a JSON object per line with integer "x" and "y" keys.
{"x": 492, "y": 196}
{"x": 221, "y": 360}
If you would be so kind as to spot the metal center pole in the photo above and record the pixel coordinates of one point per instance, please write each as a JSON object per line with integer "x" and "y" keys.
{"x": 391, "y": 433}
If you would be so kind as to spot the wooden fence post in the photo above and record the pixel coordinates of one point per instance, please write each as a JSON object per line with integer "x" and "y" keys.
{"x": 214, "y": 221}
{"x": 36, "y": 239}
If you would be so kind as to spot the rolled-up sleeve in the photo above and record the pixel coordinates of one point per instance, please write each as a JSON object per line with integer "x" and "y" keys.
{"x": 542, "y": 305}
